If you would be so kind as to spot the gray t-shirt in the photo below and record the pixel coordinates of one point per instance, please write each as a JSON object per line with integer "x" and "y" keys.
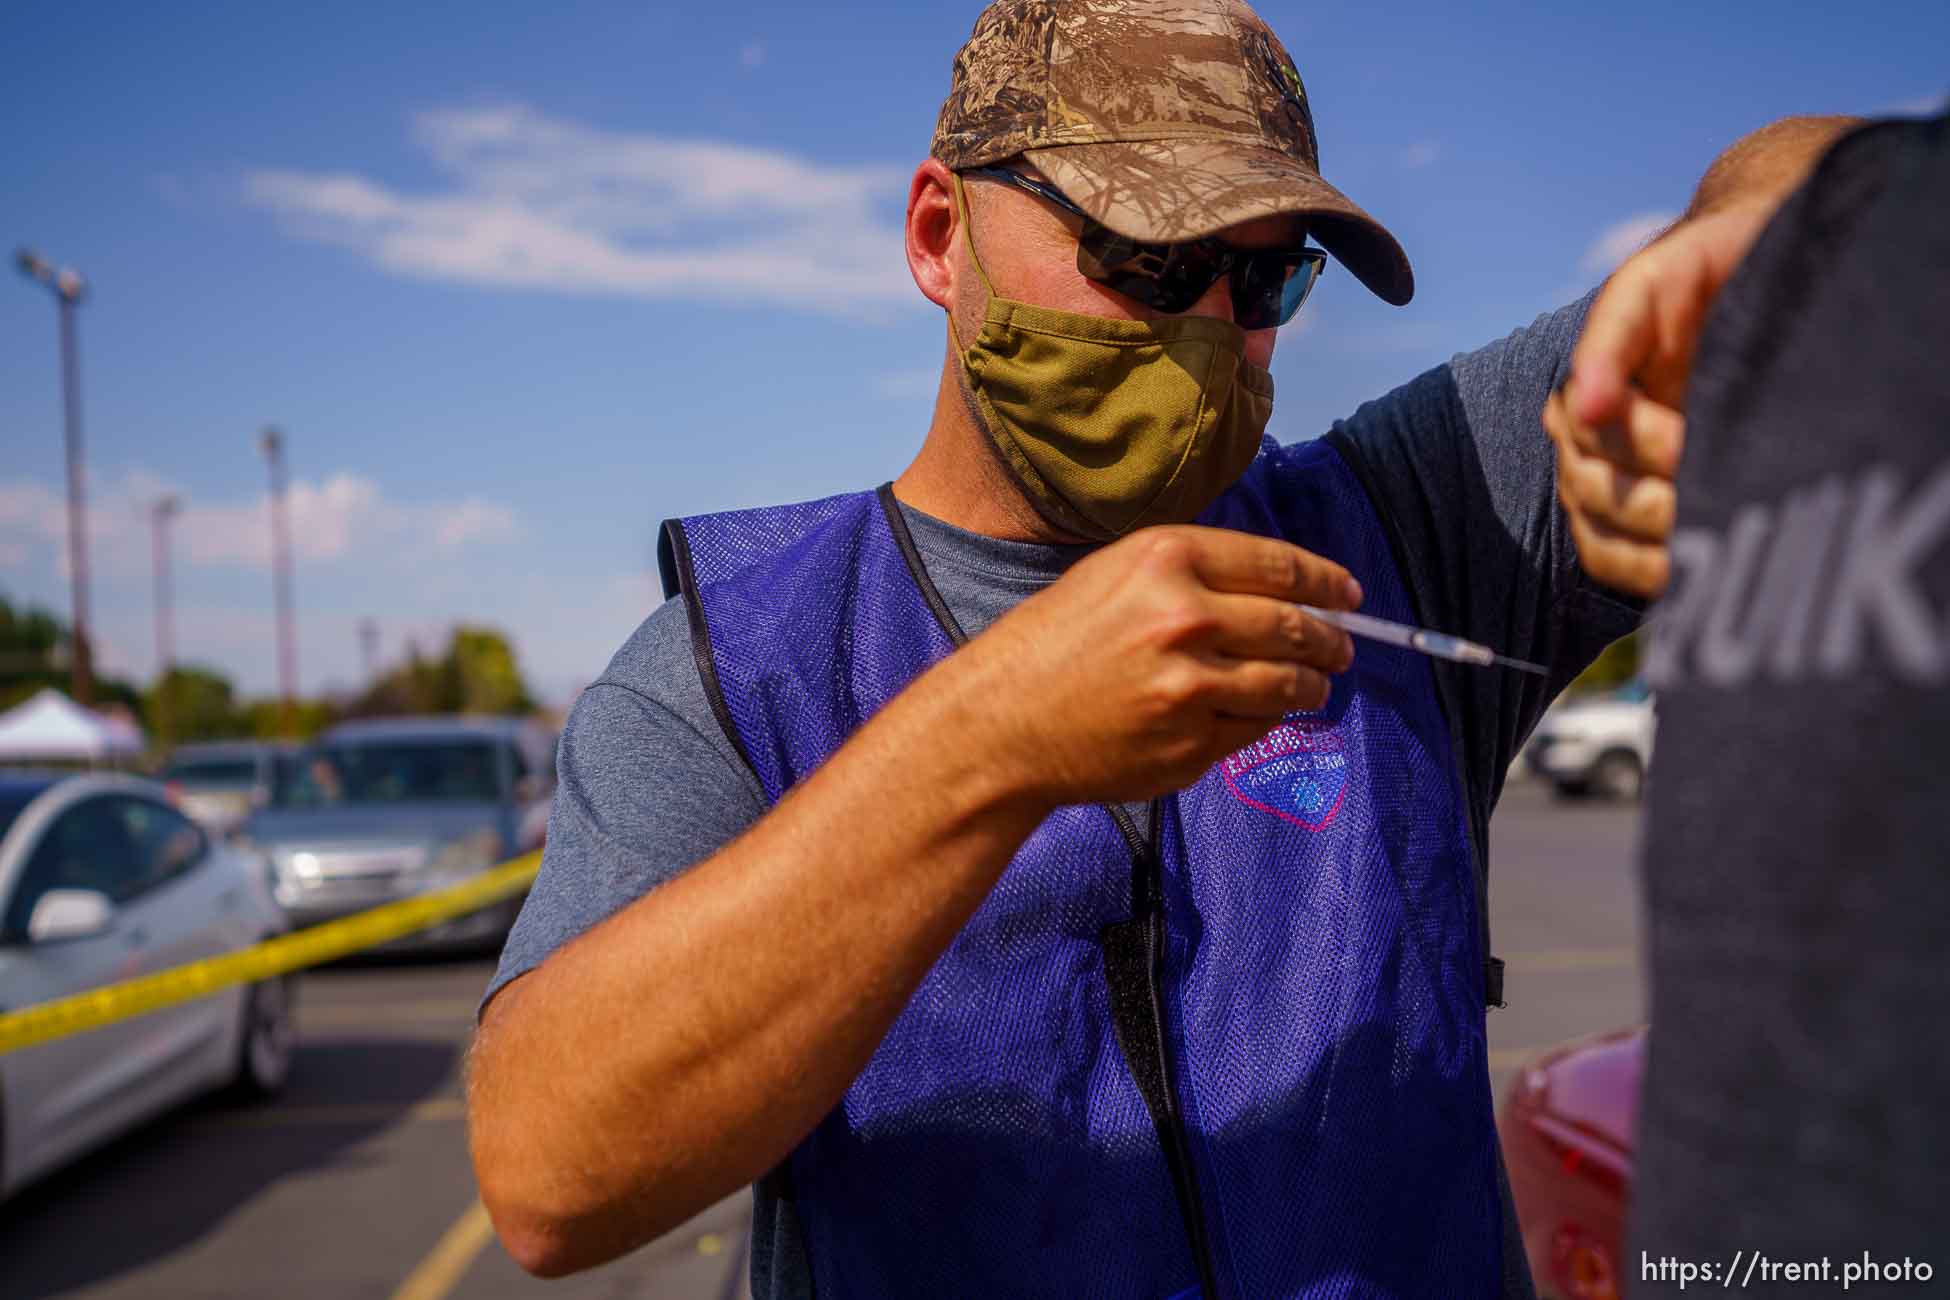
{"x": 1462, "y": 475}
{"x": 1797, "y": 864}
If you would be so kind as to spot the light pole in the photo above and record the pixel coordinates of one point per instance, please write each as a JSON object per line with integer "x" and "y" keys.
{"x": 160, "y": 513}
{"x": 68, "y": 289}
{"x": 271, "y": 442}
{"x": 369, "y": 647}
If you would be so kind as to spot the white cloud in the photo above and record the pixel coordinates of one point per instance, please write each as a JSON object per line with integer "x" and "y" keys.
{"x": 29, "y": 507}
{"x": 1621, "y": 239}
{"x": 330, "y": 519}
{"x": 473, "y": 520}
{"x": 533, "y": 202}
{"x": 1921, "y": 106}
{"x": 343, "y": 515}
{"x": 1421, "y": 153}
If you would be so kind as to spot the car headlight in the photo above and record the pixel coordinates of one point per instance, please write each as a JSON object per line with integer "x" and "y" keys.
{"x": 463, "y": 857}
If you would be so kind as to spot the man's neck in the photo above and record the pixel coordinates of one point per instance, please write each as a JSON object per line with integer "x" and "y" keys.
{"x": 959, "y": 479}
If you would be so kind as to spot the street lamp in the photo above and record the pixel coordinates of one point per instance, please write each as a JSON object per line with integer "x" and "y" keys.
{"x": 160, "y": 513}
{"x": 369, "y": 647}
{"x": 271, "y": 442}
{"x": 69, "y": 289}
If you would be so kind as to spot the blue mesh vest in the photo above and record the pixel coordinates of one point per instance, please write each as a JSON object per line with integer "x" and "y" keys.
{"x": 1247, "y": 1062}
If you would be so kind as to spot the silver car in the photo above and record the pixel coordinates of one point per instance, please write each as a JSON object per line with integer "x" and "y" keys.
{"x": 101, "y": 880}
{"x": 384, "y": 809}
{"x": 219, "y": 782}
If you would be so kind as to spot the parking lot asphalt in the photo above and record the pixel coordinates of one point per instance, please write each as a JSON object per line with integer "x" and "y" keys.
{"x": 1565, "y": 916}
{"x": 356, "y": 1181}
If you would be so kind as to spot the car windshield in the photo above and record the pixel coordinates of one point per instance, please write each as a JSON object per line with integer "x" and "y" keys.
{"x": 1633, "y": 692}
{"x": 212, "y": 771}
{"x": 423, "y": 771}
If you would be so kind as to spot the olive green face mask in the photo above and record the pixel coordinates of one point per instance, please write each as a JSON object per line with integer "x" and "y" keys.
{"x": 1110, "y": 425}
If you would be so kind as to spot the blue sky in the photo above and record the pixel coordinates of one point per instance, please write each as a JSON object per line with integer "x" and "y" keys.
{"x": 520, "y": 281}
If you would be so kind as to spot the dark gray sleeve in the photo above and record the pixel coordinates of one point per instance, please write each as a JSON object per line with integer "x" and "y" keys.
{"x": 649, "y": 785}
{"x": 1459, "y": 465}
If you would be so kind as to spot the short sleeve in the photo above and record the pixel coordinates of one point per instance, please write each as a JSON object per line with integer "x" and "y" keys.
{"x": 1459, "y": 467}
{"x": 648, "y": 786}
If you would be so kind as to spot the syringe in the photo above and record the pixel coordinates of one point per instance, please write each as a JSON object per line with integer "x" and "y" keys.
{"x": 1438, "y": 644}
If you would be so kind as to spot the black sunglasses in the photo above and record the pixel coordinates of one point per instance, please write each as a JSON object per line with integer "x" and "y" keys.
{"x": 1268, "y": 284}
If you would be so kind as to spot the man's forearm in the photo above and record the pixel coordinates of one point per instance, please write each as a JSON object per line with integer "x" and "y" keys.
{"x": 682, "y": 1047}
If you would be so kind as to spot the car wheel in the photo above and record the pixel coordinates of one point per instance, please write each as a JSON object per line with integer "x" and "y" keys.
{"x": 1618, "y": 775}
{"x": 268, "y": 1038}
{"x": 1570, "y": 789}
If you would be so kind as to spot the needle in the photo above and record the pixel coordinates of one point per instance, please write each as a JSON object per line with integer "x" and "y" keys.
{"x": 1438, "y": 644}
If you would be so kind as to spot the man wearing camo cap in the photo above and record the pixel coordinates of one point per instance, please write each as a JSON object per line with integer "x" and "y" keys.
{"x": 1000, "y": 868}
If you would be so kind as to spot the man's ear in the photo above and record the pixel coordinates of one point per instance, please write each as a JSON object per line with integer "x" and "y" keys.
{"x": 933, "y": 228}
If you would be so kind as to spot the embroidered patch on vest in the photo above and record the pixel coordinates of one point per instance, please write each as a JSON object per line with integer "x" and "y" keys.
{"x": 1298, "y": 772}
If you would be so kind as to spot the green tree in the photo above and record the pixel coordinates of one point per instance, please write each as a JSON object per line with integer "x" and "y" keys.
{"x": 189, "y": 703}
{"x": 476, "y": 674}
{"x": 29, "y": 636}
{"x": 488, "y": 678}
{"x": 1618, "y": 664}
{"x": 263, "y": 719}
{"x": 33, "y": 652}
{"x": 34, "y": 655}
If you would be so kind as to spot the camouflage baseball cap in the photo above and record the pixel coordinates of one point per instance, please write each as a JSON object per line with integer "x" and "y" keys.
{"x": 1163, "y": 119}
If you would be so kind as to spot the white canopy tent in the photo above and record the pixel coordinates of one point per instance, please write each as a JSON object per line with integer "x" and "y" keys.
{"x": 50, "y": 727}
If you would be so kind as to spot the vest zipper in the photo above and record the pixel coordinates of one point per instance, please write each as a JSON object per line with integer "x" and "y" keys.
{"x": 1148, "y": 912}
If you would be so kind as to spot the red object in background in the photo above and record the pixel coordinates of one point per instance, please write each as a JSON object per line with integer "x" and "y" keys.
{"x": 1567, "y": 1129}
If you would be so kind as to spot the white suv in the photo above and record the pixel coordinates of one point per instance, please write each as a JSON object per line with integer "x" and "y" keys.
{"x": 1596, "y": 744}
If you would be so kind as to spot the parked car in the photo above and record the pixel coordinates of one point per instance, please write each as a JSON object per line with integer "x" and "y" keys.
{"x": 1567, "y": 1128}
{"x": 1596, "y": 744}
{"x": 102, "y": 880}
{"x": 219, "y": 783}
{"x": 383, "y": 809}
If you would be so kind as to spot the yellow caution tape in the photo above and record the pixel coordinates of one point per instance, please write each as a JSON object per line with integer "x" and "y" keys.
{"x": 311, "y": 947}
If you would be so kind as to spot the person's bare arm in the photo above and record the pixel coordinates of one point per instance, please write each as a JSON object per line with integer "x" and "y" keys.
{"x": 678, "y": 1050}
{"x": 1618, "y": 423}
